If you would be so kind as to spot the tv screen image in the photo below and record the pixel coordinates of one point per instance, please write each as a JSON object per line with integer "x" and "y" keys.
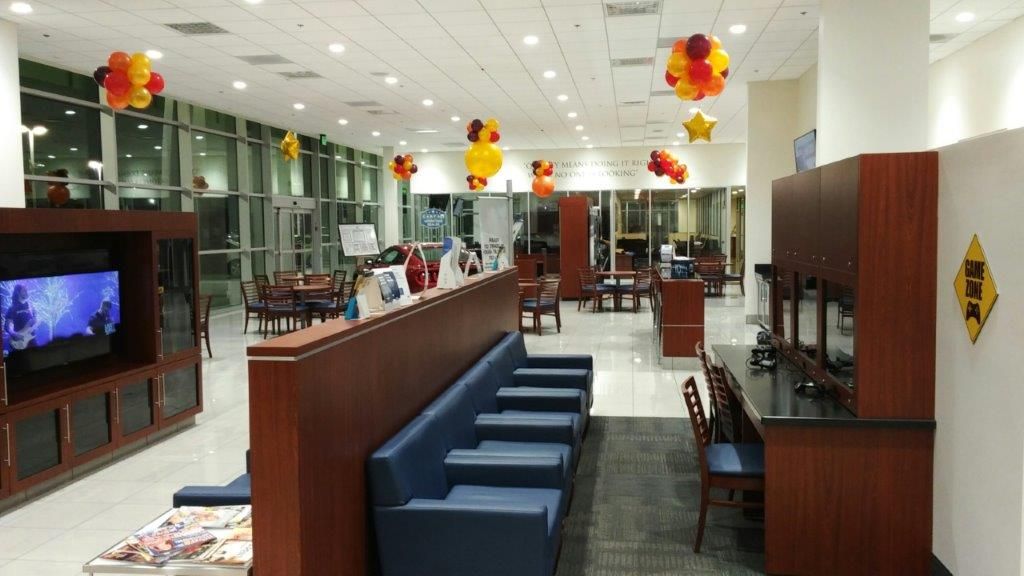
{"x": 805, "y": 150}
{"x": 58, "y": 311}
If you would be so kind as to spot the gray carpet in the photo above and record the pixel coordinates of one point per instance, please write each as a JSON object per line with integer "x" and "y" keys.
{"x": 635, "y": 508}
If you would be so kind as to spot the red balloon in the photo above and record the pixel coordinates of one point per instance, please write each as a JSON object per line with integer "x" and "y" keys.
{"x": 659, "y": 172}
{"x": 650, "y": 166}
{"x": 495, "y": 136}
{"x": 654, "y": 155}
{"x": 700, "y": 96}
{"x": 549, "y": 171}
{"x": 725, "y": 73}
{"x": 698, "y": 47}
{"x": 155, "y": 84}
{"x": 672, "y": 80}
{"x": 700, "y": 71}
{"x": 117, "y": 83}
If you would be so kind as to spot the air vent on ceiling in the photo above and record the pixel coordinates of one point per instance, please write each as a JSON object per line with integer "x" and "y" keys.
{"x": 657, "y": 131}
{"x": 663, "y": 93}
{"x": 633, "y": 103}
{"x": 940, "y": 38}
{"x": 380, "y": 112}
{"x": 642, "y": 8}
{"x": 264, "y": 59}
{"x": 620, "y": 62}
{"x": 363, "y": 104}
{"x": 454, "y": 144}
{"x": 379, "y": 74}
{"x": 197, "y": 28}
{"x": 301, "y": 75}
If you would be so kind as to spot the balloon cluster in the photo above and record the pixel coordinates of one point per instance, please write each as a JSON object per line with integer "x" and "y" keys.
{"x": 543, "y": 184}
{"x": 476, "y": 184}
{"x": 129, "y": 80}
{"x": 483, "y": 159}
{"x": 663, "y": 163}
{"x": 697, "y": 67}
{"x": 402, "y": 167}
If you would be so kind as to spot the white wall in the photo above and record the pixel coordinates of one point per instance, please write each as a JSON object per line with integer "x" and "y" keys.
{"x": 12, "y": 173}
{"x": 978, "y": 89}
{"x": 710, "y": 165}
{"x": 771, "y": 125}
{"x": 979, "y": 442}
{"x": 807, "y": 101}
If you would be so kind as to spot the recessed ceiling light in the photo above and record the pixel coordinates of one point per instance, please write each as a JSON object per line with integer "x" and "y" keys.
{"x": 428, "y": 102}
{"x": 391, "y": 80}
{"x": 337, "y": 48}
{"x": 679, "y": 134}
{"x": 154, "y": 54}
{"x": 202, "y": 153}
{"x": 70, "y": 112}
{"x": 239, "y": 85}
{"x": 73, "y": 149}
{"x": 579, "y": 127}
{"x": 426, "y": 131}
{"x": 506, "y": 148}
{"x": 299, "y": 106}
{"x": 585, "y": 138}
{"x": 21, "y": 8}
{"x": 375, "y": 133}
{"x": 402, "y": 142}
{"x": 738, "y": 28}
{"x": 51, "y": 156}
{"x": 549, "y": 74}
{"x": 127, "y": 155}
{"x": 965, "y": 17}
{"x": 530, "y": 40}
{"x": 572, "y": 114}
{"x": 199, "y": 136}
{"x": 734, "y": 192}
{"x": 562, "y": 97}
{"x": 590, "y": 145}
{"x": 424, "y": 150}
{"x": 456, "y": 118}
{"x": 254, "y": 1}
{"x": 675, "y": 143}
{"x": 143, "y": 126}
{"x": 694, "y": 110}
{"x": 158, "y": 147}
{"x": 342, "y": 121}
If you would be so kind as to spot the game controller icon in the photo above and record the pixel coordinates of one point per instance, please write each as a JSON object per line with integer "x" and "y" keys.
{"x": 973, "y": 311}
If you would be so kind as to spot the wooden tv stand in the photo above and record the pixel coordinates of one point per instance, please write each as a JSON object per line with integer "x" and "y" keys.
{"x": 64, "y": 421}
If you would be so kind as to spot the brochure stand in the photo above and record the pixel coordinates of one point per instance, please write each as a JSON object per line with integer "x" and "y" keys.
{"x": 450, "y": 274}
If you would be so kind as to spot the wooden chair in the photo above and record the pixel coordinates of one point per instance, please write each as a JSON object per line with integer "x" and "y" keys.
{"x": 723, "y": 406}
{"x": 705, "y": 369}
{"x": 735, "y": 278}
{"x": 313, "y": 279}
{"x": 547, "y": 303}
{"x": 711, "y": 273}
{"x": 279, "y": 277}
{"x": 204, "y": 321}
{"x": 591, "y": 290}
{"x": 656, "y": 304}
{"x": 519, "y": 304}
{"x": 326, "y": 303}
{"x": 845, "y": 308}
{"x": 261, "y": 281}
{"x": 253, "y": 305}
{"x": 338, "y": 283}
{"x": 282, "y": 305}
{"x": 641, "y": 288}
{"x": 727, "y": 466}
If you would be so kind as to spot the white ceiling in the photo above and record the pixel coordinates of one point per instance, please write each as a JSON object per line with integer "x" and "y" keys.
{"x": 468, "y": 56}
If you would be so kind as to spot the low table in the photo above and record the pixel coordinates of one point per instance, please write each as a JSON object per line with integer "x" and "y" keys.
{"x": 618, "y": 275}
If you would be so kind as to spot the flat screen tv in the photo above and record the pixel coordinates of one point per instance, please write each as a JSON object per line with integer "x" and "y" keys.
{"x": 51, "y": 321}
{"x": 805, "y": 149}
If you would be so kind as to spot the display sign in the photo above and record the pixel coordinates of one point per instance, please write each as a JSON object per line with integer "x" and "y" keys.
{"x": 323, "y": 140}
{"x": 358, "y": 239}
{"x": 432, "y": 218}
{"x": 975, "y": 289}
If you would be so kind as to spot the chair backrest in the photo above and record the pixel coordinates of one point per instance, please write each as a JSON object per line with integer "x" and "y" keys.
{"x": 700, "y": 424}
{"x": 455, "y": 416}
{"x": 323, "y": 293}
{"x": 338, "y": 280}
{"x": 721, "y": 399}
{"x": 704, "y": 367}
{"x": 280, "y": 274}
{"x": 279, "y": 295}
{"x": 515, "y": 345}
{"x": 482, "y": 385}
{"x": 409, "y": 465}
{"x": 709, "y": 268}
{"x": 261, "y": 280}
{"x": 642, "y": 283}
{"x": 502, "y": 365}
{"x": 324, "y": 279}
{"x": 548, "y": 289}
{"x": 250, "y": 292}
{"x": 588, "y": 278}
{"x": 204, "y": 306}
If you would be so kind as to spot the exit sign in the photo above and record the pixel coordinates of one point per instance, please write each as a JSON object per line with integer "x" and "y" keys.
{"x": 323, "y": 140}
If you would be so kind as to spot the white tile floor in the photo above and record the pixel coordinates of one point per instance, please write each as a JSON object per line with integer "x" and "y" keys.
{"x": 56, "y": 534}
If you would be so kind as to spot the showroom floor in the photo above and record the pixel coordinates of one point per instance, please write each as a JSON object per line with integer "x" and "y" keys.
{"x": 56, "y": 534}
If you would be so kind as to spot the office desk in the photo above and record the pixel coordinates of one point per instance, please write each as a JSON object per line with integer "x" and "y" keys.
{"x": 843, "y": 495}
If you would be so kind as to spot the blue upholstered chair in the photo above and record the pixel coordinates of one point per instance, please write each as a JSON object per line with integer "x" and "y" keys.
{"x": 238, "y": 491}
{"x": 549, "y": 370}
{"x": 728, "y": 466}
{"x": 431, "y": 518}
{"x": 466, "y": 436}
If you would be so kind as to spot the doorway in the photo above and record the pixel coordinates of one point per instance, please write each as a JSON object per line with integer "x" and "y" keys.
{"x": 294, "y": 235}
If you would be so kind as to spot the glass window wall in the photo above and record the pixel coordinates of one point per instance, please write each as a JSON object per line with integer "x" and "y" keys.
{"x": 147, "y": 152}
{"x": 214, "y": 161}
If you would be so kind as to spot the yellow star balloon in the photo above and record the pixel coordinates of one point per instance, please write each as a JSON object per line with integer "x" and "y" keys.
{"x": 290, "y": 146}
{"x": 700, "y": 126}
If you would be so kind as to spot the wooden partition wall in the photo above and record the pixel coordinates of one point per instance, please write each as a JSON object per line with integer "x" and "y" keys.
{"x": 574, "y": 241}
{"x": 321, "y": 400}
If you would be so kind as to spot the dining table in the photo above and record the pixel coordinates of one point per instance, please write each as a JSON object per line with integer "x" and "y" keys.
{"x": 301, "y": 291}
{"x": 617, "y": 275}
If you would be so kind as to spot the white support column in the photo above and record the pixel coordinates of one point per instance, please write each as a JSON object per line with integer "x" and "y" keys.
{"x": 12, "y": 141}
{"x": 872, "y": 77}
{"x": 392, "y": 232}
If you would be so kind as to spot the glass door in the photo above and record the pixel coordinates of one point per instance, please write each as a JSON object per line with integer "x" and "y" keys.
{"x": 294, "y": 236}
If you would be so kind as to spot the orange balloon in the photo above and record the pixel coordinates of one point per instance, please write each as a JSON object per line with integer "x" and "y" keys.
{"x": 543, "y": 186}
{"x": 715, "y": 85}
{"x": 686, "y": 91}
{"x": 118, "y": 102}
{"x": 677, "y": 64}
{"x": 716, "y": 44}
{"x": 680, "y": 45}
{"x": 119, "y": 61}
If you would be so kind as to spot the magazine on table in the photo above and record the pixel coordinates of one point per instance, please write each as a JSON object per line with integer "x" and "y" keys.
{"x": 231, "y": 553}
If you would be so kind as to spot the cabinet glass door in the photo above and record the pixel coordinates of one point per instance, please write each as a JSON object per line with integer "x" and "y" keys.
{"x": 180, "y": 390}
{"x": 90, "y": 423}
{"x": 176, "y": 277}
{"x": 37, "y": 442}
{"x": 135, "y": 407}
{"x": 5, "y": 458}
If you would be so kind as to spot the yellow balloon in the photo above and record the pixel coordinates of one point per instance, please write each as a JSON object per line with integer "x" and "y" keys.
{"x": 139, "y": 97}
{"x": 686, "y": 91}
{"x": 677, "y": 63}
{"x": 716, "y": 44}
{"x": 719, "y": 60}
{"x": 483, "y": 159}
{"x": 492, "y": 125}
{"x": 139, "y": 74}
{"x": 485, "y": 135}
{"x": 391, "y": 164}
{"x": 140, "y": 59}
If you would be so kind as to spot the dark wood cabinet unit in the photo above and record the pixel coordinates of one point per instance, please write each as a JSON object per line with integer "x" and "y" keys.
{"x": 57, "y": 419}
{"x": 574, "y": 241}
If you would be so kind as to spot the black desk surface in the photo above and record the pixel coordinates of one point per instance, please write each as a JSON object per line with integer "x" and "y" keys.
{"x": 769, "y": 395}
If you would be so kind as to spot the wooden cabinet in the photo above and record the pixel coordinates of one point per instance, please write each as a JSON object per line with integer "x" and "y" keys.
{"x": 39, "y": 443}
{"x": 782, "y": 242}
{"x": 135, "y": 408}
{"x": 5, "y": 458}
{"x": 802, "y": 220}
{"x": 575, "y": 242}
{"x": 179, "y": 391}
{"x": 91, "y": 421}
{"x": 839, "y": 215}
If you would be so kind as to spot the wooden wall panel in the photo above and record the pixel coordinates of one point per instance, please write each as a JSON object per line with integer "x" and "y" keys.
{"x": 682, "y": 308}
{"x": 574, "y": 242}
{"x": 323, "y": 399}
{"x": 848, "y": 501}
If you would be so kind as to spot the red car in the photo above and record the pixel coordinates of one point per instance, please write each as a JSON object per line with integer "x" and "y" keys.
{"x": 410, "y": 256}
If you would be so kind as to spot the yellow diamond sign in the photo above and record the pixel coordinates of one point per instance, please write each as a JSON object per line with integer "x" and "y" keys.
{"x": 975, "y": 289}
